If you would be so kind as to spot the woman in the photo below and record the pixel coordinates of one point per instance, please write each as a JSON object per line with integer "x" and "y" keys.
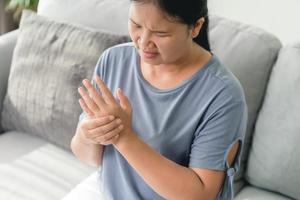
{"x": 176, "y": 129}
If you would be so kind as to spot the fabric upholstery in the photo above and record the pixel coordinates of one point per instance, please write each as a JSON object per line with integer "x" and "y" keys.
{"x": 49, "y": 62}
{"x": 253, "y": 193}
{"x": 238, "y": 185}
{"x": 250, "y": 53}
{"x": 87, "y": 189}
{"x": 47, "y": 173}
{"x": 7, "y": 45}
{"x": 274, "y": 157}
{"x": 111, "y": 15}
{"x": 16, "y": 144}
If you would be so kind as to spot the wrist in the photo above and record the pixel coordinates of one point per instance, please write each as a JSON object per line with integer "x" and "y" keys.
{"x": 126, "y": 139}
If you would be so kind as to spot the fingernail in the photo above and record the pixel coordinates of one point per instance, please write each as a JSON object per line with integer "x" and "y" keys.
{"x": 119, "y": 121}
{"x": 121, "y": 127}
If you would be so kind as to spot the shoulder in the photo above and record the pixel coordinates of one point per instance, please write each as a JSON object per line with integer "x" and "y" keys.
{"x": 116, "y": 60}
{"x": 225, "y": 82}
{"x": 124, "y": 49}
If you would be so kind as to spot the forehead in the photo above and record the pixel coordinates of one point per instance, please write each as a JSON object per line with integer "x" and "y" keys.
{"x": 149, "y": 14}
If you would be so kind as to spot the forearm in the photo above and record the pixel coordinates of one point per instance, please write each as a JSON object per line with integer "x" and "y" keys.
{"x": 167, "y": 178}
{"x": 87, "y": 152}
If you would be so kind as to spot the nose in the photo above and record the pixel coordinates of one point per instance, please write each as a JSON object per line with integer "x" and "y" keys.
{"x": 144, "y": 41}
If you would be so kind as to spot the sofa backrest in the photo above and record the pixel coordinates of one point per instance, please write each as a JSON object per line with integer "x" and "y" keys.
{"x": 7, "y": 45}
{"x": 109, "y": 15}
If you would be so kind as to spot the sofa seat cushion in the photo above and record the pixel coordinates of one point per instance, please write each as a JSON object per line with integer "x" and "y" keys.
{"x": 47, "y": 173}
{"x": 15, "y": 144}
{"x": 87, "y": 189}
{"x": 274, "y": 159}
{"x": 254, "y": 193}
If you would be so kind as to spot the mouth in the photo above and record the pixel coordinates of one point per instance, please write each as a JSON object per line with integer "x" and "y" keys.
{"x": 149, "y": 54}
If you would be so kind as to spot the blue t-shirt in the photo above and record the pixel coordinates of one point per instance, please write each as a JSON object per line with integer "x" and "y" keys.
{"x": 193, "y": 124}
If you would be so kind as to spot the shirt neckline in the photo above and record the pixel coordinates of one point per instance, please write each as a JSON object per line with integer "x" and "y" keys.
{"x": 198, "y": 73}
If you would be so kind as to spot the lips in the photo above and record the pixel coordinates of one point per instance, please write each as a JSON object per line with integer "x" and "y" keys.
{"x": 150, "y": 54}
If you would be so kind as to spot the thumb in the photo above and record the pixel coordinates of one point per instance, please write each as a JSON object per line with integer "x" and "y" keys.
{"x": 124, "y": 101}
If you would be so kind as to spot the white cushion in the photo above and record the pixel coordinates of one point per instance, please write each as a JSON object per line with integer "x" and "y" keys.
{"x": 47, "y": 173}
{"x": 252, "y": 193}
{"x": 25, "y": 143}
{"x": 89, "y": 189}
{"x": 111, "y": 15}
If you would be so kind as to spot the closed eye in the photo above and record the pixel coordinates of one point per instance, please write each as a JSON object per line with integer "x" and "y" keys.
{"x": 162, "y": 34}
{"x": 158, "y": 33}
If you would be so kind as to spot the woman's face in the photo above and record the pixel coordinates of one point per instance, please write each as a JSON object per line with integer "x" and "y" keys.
{"x": 159, "y": 40}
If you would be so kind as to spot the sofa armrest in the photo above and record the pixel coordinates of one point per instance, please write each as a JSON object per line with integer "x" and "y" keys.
{"x": 7, "y": 45}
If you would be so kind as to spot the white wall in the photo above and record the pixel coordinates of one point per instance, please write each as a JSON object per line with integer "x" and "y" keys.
{"x": 280, "y": 17}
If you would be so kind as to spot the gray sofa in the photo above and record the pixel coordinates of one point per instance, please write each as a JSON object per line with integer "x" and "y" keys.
{"x": 38, "y": 165}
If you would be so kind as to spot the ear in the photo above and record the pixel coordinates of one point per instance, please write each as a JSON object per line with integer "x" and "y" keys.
{"x": 197, "y": 27}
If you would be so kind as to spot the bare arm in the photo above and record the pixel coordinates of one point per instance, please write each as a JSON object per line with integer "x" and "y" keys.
{"x": 86, "y": 151}
{"x": 167, "y": 178}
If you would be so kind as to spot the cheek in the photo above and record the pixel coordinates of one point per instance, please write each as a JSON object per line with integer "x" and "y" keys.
{"x": 172, "y": 50}
{"x": 133, "y": 35}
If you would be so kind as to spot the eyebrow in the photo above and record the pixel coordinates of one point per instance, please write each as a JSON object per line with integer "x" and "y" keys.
{"x": 156, "y": 31}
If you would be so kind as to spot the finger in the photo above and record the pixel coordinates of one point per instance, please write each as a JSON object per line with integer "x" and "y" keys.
{"x": 85, "y": 108}
{"x": 124, "y": 101}
{"x": 92, "y": 123}
{"x": 107, "y": 137}
{"x": 94, "y": 93}
{"x": 107, "y": 95}
{"x": 105, "y": 128}
{"x": 88, "y": 100}
{"x": 111, "y": 141}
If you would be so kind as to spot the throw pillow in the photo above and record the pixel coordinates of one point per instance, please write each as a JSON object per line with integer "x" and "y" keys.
{"x": 49, "y": 62}
{"x": 274, "y": 157}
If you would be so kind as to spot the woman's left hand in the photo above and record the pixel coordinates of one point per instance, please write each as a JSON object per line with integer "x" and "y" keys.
{"x": 108, "y": 104}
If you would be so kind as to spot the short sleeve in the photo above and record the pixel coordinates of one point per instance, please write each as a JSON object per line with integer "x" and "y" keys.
{"x": 224, "y": 125}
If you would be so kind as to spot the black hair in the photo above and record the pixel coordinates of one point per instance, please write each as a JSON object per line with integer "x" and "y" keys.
{"x": 188, "y": 12}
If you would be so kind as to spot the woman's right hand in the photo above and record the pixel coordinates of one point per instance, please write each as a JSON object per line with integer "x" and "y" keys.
{"x": 100, "y": 130}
